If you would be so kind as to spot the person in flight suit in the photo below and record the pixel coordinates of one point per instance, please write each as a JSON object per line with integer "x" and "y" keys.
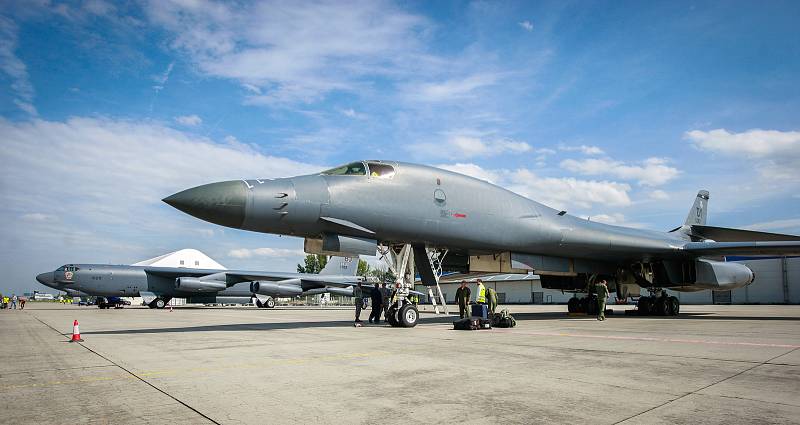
{"x": 601, "y": 289}
{"x": 462, "y": 298}
{"x": 491, "y": 298}
{"x": 358, "y": 298}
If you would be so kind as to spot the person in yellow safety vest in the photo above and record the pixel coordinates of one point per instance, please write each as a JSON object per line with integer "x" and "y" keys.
{"x": 480, "y": 294}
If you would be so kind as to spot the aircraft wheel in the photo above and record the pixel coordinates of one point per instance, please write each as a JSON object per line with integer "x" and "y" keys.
{"x": 662, "y": 307}
{"x": 391, "y": 316}
{"x": 644, "y": 306}
{"x": 409, "y": 316}
{"x": 676, "y": 306}
{"x": 159, "y": 303}
{"x": 591, "y": 306}
{"x": 270, "y": 303}
{"x": 572, "y": 305}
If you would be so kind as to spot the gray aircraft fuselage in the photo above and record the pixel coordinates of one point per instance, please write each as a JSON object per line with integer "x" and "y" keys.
{"x": 127, "y": 281}
{"x": 353, "y": 207}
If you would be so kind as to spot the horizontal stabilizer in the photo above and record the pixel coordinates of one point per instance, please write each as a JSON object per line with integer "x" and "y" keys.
{"x": 724, "y": 234}
{"x": 743, "y": 248}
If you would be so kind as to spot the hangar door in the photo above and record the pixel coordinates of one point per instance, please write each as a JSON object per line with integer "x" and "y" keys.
{"x": 721, "y": 297}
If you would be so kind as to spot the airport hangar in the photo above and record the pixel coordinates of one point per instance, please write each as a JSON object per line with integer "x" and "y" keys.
{"x": 777, "y": 281}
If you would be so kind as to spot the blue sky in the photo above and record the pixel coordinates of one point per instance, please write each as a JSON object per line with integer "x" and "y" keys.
{"x": 619, "y": 111}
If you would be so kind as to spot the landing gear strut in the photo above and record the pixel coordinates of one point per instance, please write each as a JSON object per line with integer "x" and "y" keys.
{"x": 402, "y": 312}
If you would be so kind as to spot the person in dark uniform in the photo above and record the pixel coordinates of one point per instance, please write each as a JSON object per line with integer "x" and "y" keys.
{"x": 462, "y": 299}
{"x": 377, "y": 304}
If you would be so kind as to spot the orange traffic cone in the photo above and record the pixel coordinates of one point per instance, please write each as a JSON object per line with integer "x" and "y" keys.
{"x": 76, "y": 333}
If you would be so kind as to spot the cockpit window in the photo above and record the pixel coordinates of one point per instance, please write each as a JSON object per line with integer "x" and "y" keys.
{"x": 61, "y": 269}
{"x": 68, "y": 268}
{"x": 380, "y": 170}
{"x": 352, "y": 169}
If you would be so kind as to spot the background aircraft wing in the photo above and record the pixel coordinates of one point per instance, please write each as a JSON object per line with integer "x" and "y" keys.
{"x": 743, "y": 248}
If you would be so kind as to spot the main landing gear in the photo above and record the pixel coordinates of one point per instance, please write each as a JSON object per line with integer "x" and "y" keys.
{"x": 158, "y": 303}
{"x": 586, "y": 305}
{"x": 269, "y": 303}
{"x": 659, "y": 305}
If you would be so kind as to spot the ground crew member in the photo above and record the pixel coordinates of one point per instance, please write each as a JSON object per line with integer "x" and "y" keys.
{"x": 377, "y": 304}
{"x": 480, "y": 296}
{"x": 387, "y": 298}
{"x": 5, "y": 302}
{"x": 491, "y": 297}
{"x": 14, "y": 301}
{"x": 358, "y": 297}
{"x": 22, "y": 303}
{"x": 462, "y": 299}
{"x": 601, "y": 289}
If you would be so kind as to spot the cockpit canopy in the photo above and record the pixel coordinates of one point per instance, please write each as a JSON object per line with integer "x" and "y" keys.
{"x": 375, "y": 169}
{"x": 68, "y": 268}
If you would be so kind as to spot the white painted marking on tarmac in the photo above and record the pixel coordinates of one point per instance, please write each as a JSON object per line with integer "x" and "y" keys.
{"x": 650, "y": 339}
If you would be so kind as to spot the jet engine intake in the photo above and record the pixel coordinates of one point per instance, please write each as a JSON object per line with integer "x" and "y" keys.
{"x": 283, "y": 288}
{"x": 191, "y": 284}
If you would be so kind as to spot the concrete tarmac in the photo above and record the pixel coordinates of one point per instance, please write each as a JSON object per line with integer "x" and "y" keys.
{"x": 712, "y": 364}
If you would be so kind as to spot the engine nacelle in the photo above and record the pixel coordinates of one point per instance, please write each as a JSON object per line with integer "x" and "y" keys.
{"x": 722, "y": 276}
{"x": 335, "y": 244}
{"x": 283, "y": 288}
{"x": 193, "y": 284}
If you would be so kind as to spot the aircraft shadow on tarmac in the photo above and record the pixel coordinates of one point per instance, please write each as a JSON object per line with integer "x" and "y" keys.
{"x": 423, "y": 320}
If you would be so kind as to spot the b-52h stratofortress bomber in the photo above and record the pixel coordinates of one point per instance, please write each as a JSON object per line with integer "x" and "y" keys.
{"x": 190, "y": 274}
{"x": 421, "y": 213}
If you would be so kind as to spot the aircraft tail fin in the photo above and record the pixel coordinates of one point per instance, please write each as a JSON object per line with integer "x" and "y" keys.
{"x": 341, "y": 266}
{"x": 697, "y": 215}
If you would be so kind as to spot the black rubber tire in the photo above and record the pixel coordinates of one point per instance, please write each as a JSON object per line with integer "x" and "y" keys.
{"x": 572, "y": 305}
{"x": 408, "y": 316}
{"x": 663, "y": 307}
{"x": 591, "y": 306}
{"x": 644, "y": 306}
{"x": 159, "y": 303}
{"x": 270, "y": 303}
{"x": 391, "y": 317}
{"x": 676, "y": 305}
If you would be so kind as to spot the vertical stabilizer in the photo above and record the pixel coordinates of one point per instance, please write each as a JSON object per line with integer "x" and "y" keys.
{"x": 697, "y": 215}
{"x": 341, "y": 266}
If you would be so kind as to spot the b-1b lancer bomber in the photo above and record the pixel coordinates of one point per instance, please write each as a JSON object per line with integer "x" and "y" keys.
{"x": 190, "y": 274}
{"x": 443, "y": 220}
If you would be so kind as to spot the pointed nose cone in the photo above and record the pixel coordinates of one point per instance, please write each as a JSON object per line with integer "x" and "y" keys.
{"x": 221, "y": 203}
{"x": 45, "y": 278}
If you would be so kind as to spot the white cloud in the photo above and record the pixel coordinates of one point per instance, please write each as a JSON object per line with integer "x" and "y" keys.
{"x": 162, "y": 78}
{"x": 297, "y": 51}
{"x": 265, "y": 252}
{"x": 189, "y": 120}
{"x": 14, "y": 68}
{"x": 777, "y": 153}
{"x": 650, "y": 172}
{"x": 351, "y": 113}
{"x": 584, "y": 149}
{"x": 754, "y": 143}
{"x": 40, "y": 217}
{"x": 472, "y": 170}
{"x": 450, "y": 90}
{"x": 526, "y": 25}
{"x": 617, "y": 219}
{"x": 469, "y": 144}
{"x": 110, "y": 176}
{"x": 658, "y": 195}
{"x": 792, "y": 224}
